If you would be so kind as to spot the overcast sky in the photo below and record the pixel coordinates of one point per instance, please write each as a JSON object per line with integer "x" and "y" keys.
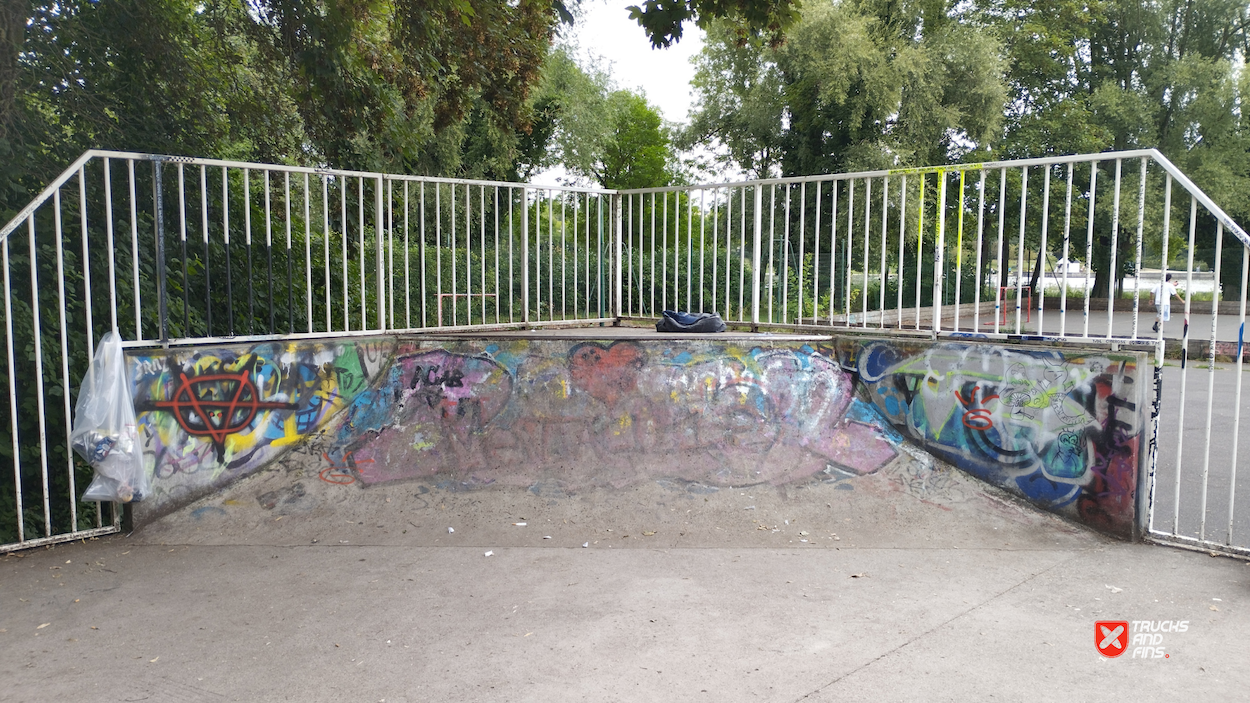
{"x": 605, "y": 32}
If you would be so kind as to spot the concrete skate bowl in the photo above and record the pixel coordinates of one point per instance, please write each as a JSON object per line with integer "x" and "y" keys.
{"x": 674, "y": 440}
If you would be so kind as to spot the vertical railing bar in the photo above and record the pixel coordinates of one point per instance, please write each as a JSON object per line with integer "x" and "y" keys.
{"x": 689, "y": 248}
{"x": 1215, "y": 316}
{"x": 663, "y": 255}
{"x": 850, "y": 243}
{"x": 247, "y": 227}
{"x": 525, "y": 254}
{"x": 158, "y": 238}
{"x": 380, "y": 270}
{"x": 586, "y": 256}
{"x": 597, "y": 296}
{"x": 976, "y": 308}
{"x": 1024, "y": 194}
{"x": 60, "y": 290}
{"x": 12, "y": 374}
{"x": 425, "y": 291}
{"x": 1089, "y": 242}
{"x": 564, "y": 283}
{"x": 772, "y": 246}
{"x": 1210, "y": 378}
{"x": 208, "y": 290}
{"x": 360, "y": 249}
{"x": 920, "y": 246}
{"x": 651, "y": 283}
{"x": 347, "y": 283}
{"x": 885, "y": 274}
{"x": 1180, "y": 414}
{"x": 867, "y": 231}
{"x": 88, "y": 301}
{"x": 1141, "y": 225}
{"x": 325, "y": 240}
{"x": 599, "y": 248}
{"x": 551, "y": 255}
{"x": 800, "y": 263}
{"x": 498, "y": 291}
{"x": 715, "y": 248}
{"x": 1000, "y": 314}
{"x": 134, "y": 247}
{"x": 481, "y": 208}
{"x": 1115, "y": 245}
{"x": 1041, "y": 254}
{"x": 308, "y": 310}
{"x": 703, "y": 247}
{"x": 390, "y": 254}
{"x": 112, "y": 249}
{"x": 629, "y": 248}
{"x": 757, "y": 255}
{"x": 468, "y": 254}
{"x": 833, "y": 249}
{"x": 407, "y": 260}
{"x": 1241, "y": 336}
{"x": 454, "y": 289}
{"x": 959, "y": 252}
{"x": 269, "y": 253}
{"x": 785, "y": 261}
{"x": 1067, "y": 256}
{"x": 576, "y": 257}
{"x": 511, "y": 224}
{"x": 742, "y": 252}
{"x": 939, "y": 258}
{"x": 816, "y": 258}
{"x": 902, "y": 230}
{"x": 290, "y": 281}
{"x": 225, "y": 233}
{"x": 182, "y": 232}
{"x": 38, "y": 379}
{"x": 1159, "y": 354}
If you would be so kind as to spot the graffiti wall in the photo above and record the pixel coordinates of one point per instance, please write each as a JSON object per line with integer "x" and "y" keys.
{"x": 1060, "y": 429}
{"x": 210, "y": 416}
{"x": 607, "y": 414}
{"x": 1063, "y": 430}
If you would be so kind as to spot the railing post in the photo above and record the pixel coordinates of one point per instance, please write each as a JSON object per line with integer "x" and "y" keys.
{"x": 525, "y": 255}
{"x": 616, "y": 216}
{"x": 158, "y": 202}
{"x": 755, "y": 258}
{"x": 379, "y": 232}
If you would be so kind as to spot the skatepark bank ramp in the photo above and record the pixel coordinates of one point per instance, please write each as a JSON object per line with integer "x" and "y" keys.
{"x": 612, "y": 409}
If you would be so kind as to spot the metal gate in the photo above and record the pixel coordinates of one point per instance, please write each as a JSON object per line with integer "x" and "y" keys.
{"x": 1064, "y": 251}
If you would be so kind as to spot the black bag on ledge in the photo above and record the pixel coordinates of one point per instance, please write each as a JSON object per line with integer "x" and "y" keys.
{"x": 697, "y": 323}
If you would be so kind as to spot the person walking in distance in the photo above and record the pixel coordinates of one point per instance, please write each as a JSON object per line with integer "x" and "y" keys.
{"x": 1163, "y": 292}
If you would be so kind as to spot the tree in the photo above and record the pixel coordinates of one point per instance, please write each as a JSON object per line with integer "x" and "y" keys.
{"x": 638, "y": 151}
{"x": 1113, "y": 74}
{"x": 768, "y": 19}
{"x": 857, "y": 85}
{"x": 611, "y": 137}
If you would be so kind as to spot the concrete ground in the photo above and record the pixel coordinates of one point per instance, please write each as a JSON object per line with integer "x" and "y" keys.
{"x": 904, "y": 585}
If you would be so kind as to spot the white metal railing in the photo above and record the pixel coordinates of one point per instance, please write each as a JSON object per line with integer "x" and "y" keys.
{"x": 174, "y": 251}
{"x": 966, "y": 250}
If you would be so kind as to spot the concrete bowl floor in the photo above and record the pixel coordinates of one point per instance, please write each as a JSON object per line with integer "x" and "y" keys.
{"x": 842, "y": 589}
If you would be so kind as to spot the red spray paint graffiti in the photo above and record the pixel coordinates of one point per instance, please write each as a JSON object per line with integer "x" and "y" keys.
{"x": 217, "y": 405}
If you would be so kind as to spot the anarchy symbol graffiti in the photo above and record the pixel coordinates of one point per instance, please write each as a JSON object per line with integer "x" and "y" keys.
{"x": 217, "y": 405}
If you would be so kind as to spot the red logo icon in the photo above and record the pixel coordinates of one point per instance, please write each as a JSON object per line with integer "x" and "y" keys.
{"x": 1111, "y": 637}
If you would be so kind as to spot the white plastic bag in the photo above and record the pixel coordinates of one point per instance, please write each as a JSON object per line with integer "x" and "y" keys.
{"x": 104, "y": 430}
